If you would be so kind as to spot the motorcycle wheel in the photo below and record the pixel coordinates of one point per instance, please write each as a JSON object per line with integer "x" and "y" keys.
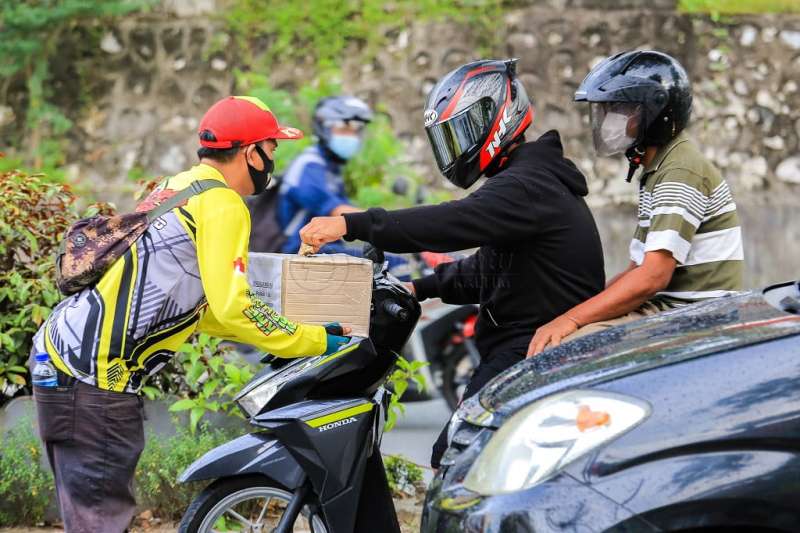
{"x": 456, "y": 374}
{"x": 244, "y": 504}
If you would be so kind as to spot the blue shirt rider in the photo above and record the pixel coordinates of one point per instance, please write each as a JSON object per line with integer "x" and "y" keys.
{"x": 313, "y": 184}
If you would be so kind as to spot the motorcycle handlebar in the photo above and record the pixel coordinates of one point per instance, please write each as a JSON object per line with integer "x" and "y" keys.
{"x": 395, "y": 310}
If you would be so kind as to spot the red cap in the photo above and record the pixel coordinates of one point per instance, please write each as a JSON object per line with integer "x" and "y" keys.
{"x": 242, "y": 120}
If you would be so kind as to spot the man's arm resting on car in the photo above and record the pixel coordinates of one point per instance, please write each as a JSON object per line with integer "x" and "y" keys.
{"x": 624, "y": 294}
{"x": 621, "y": 275}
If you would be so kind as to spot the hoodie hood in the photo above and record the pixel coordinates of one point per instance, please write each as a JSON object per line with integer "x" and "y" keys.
{"x": 547, "y": 153}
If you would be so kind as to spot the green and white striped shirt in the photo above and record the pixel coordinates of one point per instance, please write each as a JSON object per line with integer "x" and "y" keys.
{"x": 686, "y": 208}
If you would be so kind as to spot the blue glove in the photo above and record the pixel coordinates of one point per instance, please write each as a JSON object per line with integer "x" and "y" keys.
{"x": 335, "y": 338}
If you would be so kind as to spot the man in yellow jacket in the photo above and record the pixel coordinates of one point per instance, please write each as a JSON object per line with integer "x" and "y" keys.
{"x": 186, "y": 273}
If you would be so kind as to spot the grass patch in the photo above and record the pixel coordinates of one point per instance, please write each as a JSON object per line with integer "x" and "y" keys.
{"x": 739, "y": 7}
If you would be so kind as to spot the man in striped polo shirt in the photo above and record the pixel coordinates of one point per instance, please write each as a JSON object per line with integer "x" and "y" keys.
{"x": 688, "y": 243}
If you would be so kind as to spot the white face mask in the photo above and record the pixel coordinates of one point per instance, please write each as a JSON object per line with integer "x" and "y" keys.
{"x": 610, "y": 127}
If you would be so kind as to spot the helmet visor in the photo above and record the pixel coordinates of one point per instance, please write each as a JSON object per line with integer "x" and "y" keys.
{"x": 461, "y": 133}
{"x": 615, "y": 126}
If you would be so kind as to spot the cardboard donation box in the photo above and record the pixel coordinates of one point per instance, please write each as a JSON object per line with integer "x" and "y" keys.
{"x": 315, "y": 289}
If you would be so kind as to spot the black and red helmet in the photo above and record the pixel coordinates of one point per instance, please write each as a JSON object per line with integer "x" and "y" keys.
{"x": 473, "y": 114}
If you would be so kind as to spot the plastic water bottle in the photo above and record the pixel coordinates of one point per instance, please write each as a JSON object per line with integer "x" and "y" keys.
{"x": 44, "y": 373}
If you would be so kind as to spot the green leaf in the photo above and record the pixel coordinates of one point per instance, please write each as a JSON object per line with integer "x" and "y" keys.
{"x": 400, "y": 388}
{"x": 416, "y": 365}
{"x": 186, "y": 348}
{"x": 228, "y": 389}
{"x": 209, "y": 387}
{"x": 215, "y": 362}
{"x": 194, "y": 417}
{"x": 182, "y": 405}
{"x": 391, "y": 420}
{"x": 151, "y": 392}
{"x": 232, "y": 371}
{"x": 195, "y": 371}
{"x": 16, "y": 378}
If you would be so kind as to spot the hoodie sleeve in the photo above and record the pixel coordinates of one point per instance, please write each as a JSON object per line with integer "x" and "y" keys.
{"x": 500, "y": 213}
{"x": 222, "y": 235}
{"x": 458, "y": 282}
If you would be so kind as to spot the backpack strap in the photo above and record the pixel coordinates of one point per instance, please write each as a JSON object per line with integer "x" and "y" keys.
{"x": 194, "y": 188}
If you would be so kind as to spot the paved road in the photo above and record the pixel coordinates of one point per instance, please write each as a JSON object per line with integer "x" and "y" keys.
{"x": 415, "y": 432}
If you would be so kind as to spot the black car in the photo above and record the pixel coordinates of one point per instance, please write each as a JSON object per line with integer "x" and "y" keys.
{"x": 688, "y": 420}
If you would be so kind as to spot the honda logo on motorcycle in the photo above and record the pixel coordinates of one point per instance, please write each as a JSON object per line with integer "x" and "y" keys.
{"x": 494, "y": 145}
{"x": 338, "y": 423}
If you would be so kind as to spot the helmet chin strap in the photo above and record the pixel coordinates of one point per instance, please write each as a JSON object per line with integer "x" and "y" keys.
{"x": 635, "y": 155}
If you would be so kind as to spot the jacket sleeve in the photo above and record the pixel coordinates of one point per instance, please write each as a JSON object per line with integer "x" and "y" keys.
{"x": 223, "y": 232}
{"x": 312, "y": 193}
{"x": 458, "y": 282}
{"x": 500, "y": 213}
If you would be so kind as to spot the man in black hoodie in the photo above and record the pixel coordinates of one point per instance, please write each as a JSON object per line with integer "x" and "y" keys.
{"x": 539, "y": 249}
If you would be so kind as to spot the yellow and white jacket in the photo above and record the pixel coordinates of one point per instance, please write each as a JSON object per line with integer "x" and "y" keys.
{"x": 186, "y": 273}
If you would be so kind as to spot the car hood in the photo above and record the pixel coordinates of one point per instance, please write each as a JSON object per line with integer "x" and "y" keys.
{"x": 667, "y": 338}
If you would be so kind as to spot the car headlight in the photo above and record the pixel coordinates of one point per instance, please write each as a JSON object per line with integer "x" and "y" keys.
{"x": 543, "y": 438}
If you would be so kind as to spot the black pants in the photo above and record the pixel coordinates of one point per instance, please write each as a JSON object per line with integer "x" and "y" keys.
{"x": 485, "y": 372}
{"x": 93, "y": 440}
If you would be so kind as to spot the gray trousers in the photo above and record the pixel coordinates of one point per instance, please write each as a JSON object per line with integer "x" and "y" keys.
{"x": 93, "y": 440}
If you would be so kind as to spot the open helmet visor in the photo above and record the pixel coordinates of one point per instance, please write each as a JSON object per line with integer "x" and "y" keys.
{"x": 616, "y": 126}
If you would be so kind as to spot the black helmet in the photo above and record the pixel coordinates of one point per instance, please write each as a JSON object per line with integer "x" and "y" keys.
{"x": 333, "y": 109}
{"x": 650, "y": 87}
{"x": 473, "y": 114}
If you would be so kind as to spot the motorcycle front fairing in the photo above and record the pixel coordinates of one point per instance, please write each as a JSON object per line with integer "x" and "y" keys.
{"x": 254, "y": 453}
{"x": 331, "y": 441}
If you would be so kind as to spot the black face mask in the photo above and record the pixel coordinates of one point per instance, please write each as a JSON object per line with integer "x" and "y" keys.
{"x": 261, "y": 177}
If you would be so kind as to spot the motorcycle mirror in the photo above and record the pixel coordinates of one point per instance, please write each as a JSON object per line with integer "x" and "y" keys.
{"x": 373, "y": 254}
{"x": 400, "y": 186}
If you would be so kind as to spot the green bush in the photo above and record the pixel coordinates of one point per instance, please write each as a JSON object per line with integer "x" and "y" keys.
{"x": 404, "y": 476}
{"x": 163, "y": 460}
{"x": 320, "y": 31}
{"x": 732, "y": 7}
{"x": 42, "y": 36}
{"x": 25, "y": 487}
{"x": 34, "y": 214}
{"x": 210, "y": 378}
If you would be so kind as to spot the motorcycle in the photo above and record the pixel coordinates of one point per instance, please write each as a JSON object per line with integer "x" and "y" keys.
{"x": 319, "y": 422}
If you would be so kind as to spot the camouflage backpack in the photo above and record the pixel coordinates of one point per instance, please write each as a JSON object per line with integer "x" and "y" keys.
{"x": 91, "y": 245}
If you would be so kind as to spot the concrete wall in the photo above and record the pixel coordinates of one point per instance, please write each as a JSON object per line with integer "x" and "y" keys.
{"x": 162, "y": 73}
